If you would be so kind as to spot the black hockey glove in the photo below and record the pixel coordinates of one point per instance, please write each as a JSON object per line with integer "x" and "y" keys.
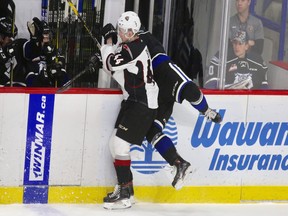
{"x": 108, "y": 31}
{"x": 37, "y": 29}
{"x": 3, "y": 56}
{"x": 5, "y": 65}
{"x": 57, "y": 68}
{"x": 6, "y": 62}
{"x": 10, "y": 49}
{"x": 48, "y": 52}
{"x": 95, "y": 62}
{"x": 42, "y": 74}
{"x": 7, "y": 52}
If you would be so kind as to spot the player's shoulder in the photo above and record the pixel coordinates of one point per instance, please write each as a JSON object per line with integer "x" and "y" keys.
{"x": 230, "y": 57}
{"x": 147, "y": 37}
{"x": 19, "y": 42}
{"x": 135, "y": 47}
{"x": 256, "y": 59}
{"x": 254, "y": 56}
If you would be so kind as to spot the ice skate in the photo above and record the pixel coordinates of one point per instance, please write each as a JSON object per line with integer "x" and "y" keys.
{"x": 131, "y": 191}
{"x": 118, "y": 199}
{"x": 183, "y": 169}
{"x": 212, "y": 115}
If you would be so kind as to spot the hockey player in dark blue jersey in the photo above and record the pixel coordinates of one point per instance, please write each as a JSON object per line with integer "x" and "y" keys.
{"x": 174, "y": 86}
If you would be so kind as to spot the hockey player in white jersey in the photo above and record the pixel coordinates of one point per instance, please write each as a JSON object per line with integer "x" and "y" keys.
{"x": 131, "y": 65}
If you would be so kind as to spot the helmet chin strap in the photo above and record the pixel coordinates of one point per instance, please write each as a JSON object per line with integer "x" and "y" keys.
{"x": 129, "y": 38}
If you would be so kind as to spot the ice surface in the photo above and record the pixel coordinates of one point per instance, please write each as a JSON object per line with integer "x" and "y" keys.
{"x": 146, "y": 209}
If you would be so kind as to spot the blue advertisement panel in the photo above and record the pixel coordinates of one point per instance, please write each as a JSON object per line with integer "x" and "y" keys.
{"x": 38, "y": 148}
{"x": 243, "y": 134}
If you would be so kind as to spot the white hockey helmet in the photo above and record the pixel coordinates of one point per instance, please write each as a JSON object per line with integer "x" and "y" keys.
{"x": 129, "y": 20}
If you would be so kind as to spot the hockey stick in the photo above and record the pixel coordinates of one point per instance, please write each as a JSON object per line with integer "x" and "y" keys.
{"x": 68, "y": 84}
{"x": 44, "y": 11}
{"x": 57, "y": 37}
{"x": 12, "y": 5}
{"x": 84, "y": 23}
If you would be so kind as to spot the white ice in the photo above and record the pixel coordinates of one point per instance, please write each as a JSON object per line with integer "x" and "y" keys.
{"x": 147, "y": 209}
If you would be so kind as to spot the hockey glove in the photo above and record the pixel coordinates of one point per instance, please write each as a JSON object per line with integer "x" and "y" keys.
{"x": 3, "y": 57}
{"x": 95, "y": 62}
{"x": 5, "y": 63}
{"x": 10, "y": 49}
{"x": 108, "y": 31}
{"x": 57, "y": 68}
{"x": 48, "y": 52}
{"x": 42, "y": 74}
{"x": 7, "y": 52}
{"x": 37, "y": 29}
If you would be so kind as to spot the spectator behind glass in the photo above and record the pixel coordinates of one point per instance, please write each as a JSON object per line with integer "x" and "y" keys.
{"x": 244, "y": 21}
{"x": 244, "y": 70}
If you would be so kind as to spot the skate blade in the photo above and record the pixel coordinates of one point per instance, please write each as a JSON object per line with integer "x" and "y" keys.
{"x": 132, "y": 200}
{"x": 121, "y": 204}
{"x": 182, "y": 181}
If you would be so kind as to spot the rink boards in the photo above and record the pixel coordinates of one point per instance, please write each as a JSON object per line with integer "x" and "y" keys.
{"x": 54, "y": 148}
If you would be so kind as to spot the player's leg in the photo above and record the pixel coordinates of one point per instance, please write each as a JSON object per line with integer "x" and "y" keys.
{"x": 120, "y": 151}
{"x": 166, "y": 147}
{"x": 120, "y": 197}
{"x": 186, "y": 89}
{"x": 194, "y": 95}
{"x": 133, "y": 122}
{"x": 130, "y": 185}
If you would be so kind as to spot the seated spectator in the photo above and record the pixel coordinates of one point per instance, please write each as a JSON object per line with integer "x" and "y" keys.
{"x": 45, "y": 66}
{"x": 244, "y": 21}
{"x": 12, "y": 68}
{"x": 31, "y": 63}
{"x": 244, "y": 70}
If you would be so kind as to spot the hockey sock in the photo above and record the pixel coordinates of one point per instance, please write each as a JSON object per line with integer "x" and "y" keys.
{"x": 201, "y": 105}
{"x": 166, "y": 149}
{"x": 131, "y": 175}
{"x": 123, "y": 171}
{"x": 193, "y": 94}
